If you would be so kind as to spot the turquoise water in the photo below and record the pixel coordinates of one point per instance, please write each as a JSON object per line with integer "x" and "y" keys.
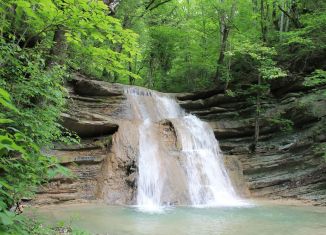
{"x": 260, "y": 220}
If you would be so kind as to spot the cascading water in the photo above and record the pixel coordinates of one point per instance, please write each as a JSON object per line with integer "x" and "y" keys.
{"x": 200, "y": 159}
{"x": 149, "y": 183}
{"x": 208, "y": 182}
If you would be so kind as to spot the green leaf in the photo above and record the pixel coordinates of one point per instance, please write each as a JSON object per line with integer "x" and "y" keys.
{"x": 6, "y": 218}
{"x": 5, "y": 121}
{"x": 5, "y": 184}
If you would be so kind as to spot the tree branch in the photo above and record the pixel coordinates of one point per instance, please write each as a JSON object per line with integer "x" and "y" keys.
{"x": 149, "y": 8}
{"x": 149, "y": 4}
{"x": 295, "y": 21}
{"x": 159, "y": 4}
{"x": 284, "y": 11}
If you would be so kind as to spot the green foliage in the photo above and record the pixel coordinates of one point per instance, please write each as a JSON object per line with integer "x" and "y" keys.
{"x": 318, "y": 77}
{"x": 303, "y": 49}
{"x": 166, "y": 45}
{"x": 30, "y": 119}
{"x": 22, "y": 166}
{"x": 178, "y": 43}
{"x": 92, "y": 35}
{"x": 25, "y": 225}
{"x": 283, "y": 123}
{"x": 38, "y": 92}
{"x": 261, "y": 58}
{"x": 34, "y": 64}
{"x": 94, "y": 39}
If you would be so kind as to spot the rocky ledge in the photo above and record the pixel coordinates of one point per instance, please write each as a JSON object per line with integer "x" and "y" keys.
{"x": 102, "y": 167}
{"x": 290, "y": 159}
{"x": 287, "y": 164}
{"x": 94, "y": 111}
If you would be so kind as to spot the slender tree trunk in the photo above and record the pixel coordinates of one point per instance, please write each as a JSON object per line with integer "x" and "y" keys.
{"x": 292, "y": 14}
{"x": 287, "y": 22}
{"x": 275, "y": 19}
{"x": 58, "y": 50}
{"x": 228, "y": 76}
{"x": 150, "y": 83}
{"x": 204, "y": 37}
{"x": 263, "y": 18}
{"x": 188, "y": 52}
{"x": 131, "y": 79}
{"x": 225, "y": 28}
{"x": 257, "y": 116}
{"x": 203, "y": 74}
{"x": 295, "y": 13}
{"x": 220, "y": 60}
{"x": 115, "y": 77}
{"x": 282, "y": 21}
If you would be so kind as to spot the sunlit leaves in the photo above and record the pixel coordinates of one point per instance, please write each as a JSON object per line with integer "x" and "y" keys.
{"x": 5, "y": 100}
{"x": 86, "y": 23}
{"x": 262, "y": 58}
{"x": 22, "y": 165}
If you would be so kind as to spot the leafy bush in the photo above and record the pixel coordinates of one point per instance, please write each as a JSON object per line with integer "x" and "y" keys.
{"x": 22, "y": 166}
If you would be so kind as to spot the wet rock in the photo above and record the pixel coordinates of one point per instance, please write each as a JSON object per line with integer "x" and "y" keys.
{"x": 287, "y": 164}
{"x": 234, "y": 168}
{"x": 94, "y": 111}
{"x": 131, "y": 179}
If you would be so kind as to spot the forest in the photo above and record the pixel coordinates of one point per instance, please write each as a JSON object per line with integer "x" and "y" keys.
{"x": 236, "y": 46}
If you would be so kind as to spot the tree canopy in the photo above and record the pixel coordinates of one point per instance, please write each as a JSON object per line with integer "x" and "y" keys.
{"x": 167, "y": 45}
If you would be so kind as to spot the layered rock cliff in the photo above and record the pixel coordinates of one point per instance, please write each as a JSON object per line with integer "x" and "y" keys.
{"x": 94, "y": 111}
{"x": 287, "y": 164}
{"x": 289, "y": 161}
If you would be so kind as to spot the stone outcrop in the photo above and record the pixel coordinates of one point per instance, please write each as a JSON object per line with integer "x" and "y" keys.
{"x": 104, "y": 164}
{"x": 94, "y": 111}
{"x": 289, "y": 160}
{"x": 287, "y": 163}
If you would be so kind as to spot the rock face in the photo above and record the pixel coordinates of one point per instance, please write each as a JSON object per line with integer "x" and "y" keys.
{"x": 94, "y": 112}
{"x": 287, "y": 164}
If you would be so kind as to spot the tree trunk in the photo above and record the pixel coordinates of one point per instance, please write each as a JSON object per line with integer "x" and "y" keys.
{"x": 225, "y": 28}
{"x": 58, "y": 49}
{"x": 257, "y": 117}
{"x": 274, "y": 16}
{"x": 282, "y": 21}
{"x": 150, "y": 83}
{"x": 225, "y": 34}
{"x": 263, "y": 18}
{"x": 287, "y": 22}
{"x": 292, "y": 14}
{"x": 112, "y": 4}
{"x": 131, "y": 79}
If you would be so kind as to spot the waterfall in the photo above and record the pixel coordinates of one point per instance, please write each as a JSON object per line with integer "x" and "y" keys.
{"x": 197, "y": 175}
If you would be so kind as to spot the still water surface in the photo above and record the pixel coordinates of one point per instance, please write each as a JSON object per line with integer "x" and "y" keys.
{"x": 256, "y": 220}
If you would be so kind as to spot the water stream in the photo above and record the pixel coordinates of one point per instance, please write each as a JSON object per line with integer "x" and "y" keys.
{"x": 197, "y": 176}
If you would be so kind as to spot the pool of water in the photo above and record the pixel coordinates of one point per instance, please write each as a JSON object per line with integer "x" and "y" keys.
{"x": 254, "y": 220}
